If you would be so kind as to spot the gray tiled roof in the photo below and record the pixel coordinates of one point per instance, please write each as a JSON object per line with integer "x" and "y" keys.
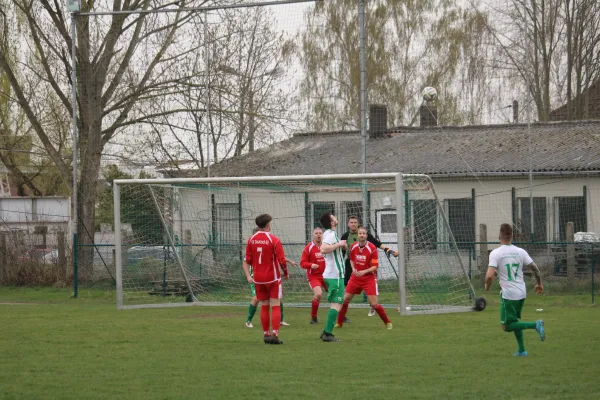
{"x": 555, "y": 147}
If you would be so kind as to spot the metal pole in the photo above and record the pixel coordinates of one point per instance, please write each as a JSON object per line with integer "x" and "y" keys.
{"x": 74, "y": 140}
{"x": 401, "y": 240}
{"x": 363, "y": 106}
{"x": 118, "y": 250}
{"x": 207, "y": 56}
{"x": 528, "y": 116}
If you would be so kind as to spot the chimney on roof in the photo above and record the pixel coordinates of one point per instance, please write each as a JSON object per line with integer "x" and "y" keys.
{"x": 515, "y": 107}
{"x": 429, "y": 115}
{"x": 377, "y": 120}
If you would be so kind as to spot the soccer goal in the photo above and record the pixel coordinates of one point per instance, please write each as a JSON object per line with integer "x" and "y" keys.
{"x": 182, "y": 241}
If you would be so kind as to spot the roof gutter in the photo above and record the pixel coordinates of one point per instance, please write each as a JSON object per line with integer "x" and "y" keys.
{"x": 524, "y": 174}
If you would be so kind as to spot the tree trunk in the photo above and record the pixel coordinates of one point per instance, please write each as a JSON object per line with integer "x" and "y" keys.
{"x": 569, "y": 23}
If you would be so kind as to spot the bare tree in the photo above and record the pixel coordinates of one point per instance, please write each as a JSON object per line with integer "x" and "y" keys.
{"x": 20, "y": 151}
{"x": 240, "y": 74}
{"x": 122, "y": 59}
{"x": 410, "y": 45}
{"x": 249, "y": 62}
{"x": 528, "y": 35}
{"x": 582, "y": 21}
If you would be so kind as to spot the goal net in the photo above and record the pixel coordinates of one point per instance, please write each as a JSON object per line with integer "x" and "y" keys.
{"x": 182, "y": 241}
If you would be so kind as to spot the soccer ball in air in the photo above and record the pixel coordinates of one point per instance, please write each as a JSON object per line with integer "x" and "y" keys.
{"x": 429, "y": 93}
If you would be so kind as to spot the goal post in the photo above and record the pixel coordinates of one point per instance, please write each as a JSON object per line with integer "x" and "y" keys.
{"x": 181, "y": 242}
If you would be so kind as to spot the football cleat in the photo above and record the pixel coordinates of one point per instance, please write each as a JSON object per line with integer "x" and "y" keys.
{"x": 347, "y": 320}
{"x": 275, "y": 340}
{"x": 371, "y": 312}
{"x": 520, "y": 354}
{"x": 329, "y": 338}
{"x": 249, "y": 324}
{"x": 314, "y": 320}
{"x": 283, "y": 323}
{"x": 388, "y": 325}
{"x": 337, "y": 325}
{"x": 539, "y": 327}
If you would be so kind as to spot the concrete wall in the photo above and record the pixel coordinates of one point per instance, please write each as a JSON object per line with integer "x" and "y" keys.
{"x": 29, "y": 217}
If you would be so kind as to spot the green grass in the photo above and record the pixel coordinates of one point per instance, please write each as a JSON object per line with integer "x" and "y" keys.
{"x": 57, "y": 347}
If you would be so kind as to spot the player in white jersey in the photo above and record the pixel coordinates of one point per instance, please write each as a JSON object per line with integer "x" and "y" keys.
{"x": 333, "y": 275}
{"x": 508, "y": 261}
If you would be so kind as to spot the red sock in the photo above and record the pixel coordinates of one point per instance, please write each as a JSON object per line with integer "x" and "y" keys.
{"x": 382, "y": 314}
{"x": 276, "y": 319}
{"x": 264, "y": 319}
{"x": 342, "y": 313}
{"x": 314, "y": 308}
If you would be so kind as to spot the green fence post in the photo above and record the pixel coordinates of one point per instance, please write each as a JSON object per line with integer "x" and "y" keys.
{"x": 470, "y": 274}
{"x": 593, "y": 271}
{"x": 470, "y": 262}
{"x": 585, "y": 208}
{"x": 513, "y": 207}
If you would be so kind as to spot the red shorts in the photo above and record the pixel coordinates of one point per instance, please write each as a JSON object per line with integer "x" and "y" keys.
{"x": 367, "y": 284}
{"x": 315, "y": 281}
{"x": 266, "y": 291}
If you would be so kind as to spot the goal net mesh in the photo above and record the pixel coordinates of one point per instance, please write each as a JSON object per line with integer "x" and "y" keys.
{"x": 184, "y": 241}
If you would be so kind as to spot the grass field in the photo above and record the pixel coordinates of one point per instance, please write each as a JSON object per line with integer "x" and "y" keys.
{"x": 53, "y": 347}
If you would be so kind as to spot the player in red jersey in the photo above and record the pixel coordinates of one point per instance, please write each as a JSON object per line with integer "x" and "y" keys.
{"x": 314, "y": 263}
{"x": 364, "y": 261}
{"x": 264, "y": 253}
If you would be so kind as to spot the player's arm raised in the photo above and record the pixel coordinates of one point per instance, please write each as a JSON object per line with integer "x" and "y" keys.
{"x": 539, "y": 287}
{"x": 327, "y": 248}
{"x": 379, "y": 245}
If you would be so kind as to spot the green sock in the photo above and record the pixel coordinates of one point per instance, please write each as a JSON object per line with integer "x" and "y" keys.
{"x": 331, "y": 320}
{"x": 520, "y": 326}
{"x": 519, "y": 336}
{"x": 251, "y": 312}
{"x": 281, "y": 308}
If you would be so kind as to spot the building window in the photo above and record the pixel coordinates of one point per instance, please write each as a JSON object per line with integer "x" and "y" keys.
{"x": 569, "y": 209}
{"x": 387, "y": 227}
{"x": 461, "y": 218}
{"x": 523, "y": 229}
{"x": 228, "y": 224}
